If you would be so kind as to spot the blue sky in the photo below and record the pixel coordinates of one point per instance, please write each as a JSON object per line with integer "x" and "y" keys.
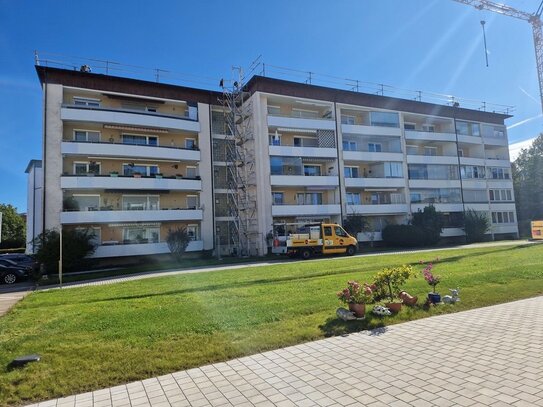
{"x": 430, "y": 45}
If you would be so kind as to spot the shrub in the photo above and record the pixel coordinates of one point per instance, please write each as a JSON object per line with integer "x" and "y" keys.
{"x": 389, "y": 281}
{"x": 476, "y": 224}
{"x": 178, "y": 240}
{"x": 76, "y": 245}
{"x": 431, "y": 221}
{"x": 355, "y": 224}
{"x": 403, "y": 235}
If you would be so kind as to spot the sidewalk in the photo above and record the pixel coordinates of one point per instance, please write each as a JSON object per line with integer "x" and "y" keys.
{"x": 487, "y": 356}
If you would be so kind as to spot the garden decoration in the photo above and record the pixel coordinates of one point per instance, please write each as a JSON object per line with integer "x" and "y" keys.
{"x": 407, "y": 298}
{"x": 381, "y": 311}
{"x": 388, "y": 283}
{"x": 453, "y": 298}
{"x": 346, "y": 315}
{"x": 356, "y": 296}
{"x": 432, "y": 280}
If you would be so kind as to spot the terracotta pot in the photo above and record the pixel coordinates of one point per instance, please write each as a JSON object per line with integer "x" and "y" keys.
{"x": 394, "y": 307}
{"x": 358, "y": 309}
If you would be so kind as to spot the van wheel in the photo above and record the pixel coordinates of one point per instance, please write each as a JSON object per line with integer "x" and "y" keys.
{"x": 10, "y": 278}
{"x": 351, "y": 250}
{"x": 305, "y": 254}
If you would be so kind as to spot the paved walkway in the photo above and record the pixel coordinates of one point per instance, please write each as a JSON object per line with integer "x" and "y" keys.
{"x": 9, "y": 299}
{"x": 490, "y": 356}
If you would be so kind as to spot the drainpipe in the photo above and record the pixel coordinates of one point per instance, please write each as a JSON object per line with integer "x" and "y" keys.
{"x": 455, "y": 107}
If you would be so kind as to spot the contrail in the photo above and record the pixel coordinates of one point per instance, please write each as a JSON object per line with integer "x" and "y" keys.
{"x": 530, "y": 96}
{"x": 524, "y": 121}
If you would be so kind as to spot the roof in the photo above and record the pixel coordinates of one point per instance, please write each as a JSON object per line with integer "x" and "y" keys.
{"x": 33, "y": 164}
{"x": 109, "y": 83}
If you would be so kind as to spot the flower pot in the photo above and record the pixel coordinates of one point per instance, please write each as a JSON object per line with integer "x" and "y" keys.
{"x": 358, "y": 309}
{"x": 434, "y": 298}
{"x": 113, "y": 175}
{"x": 136, "y": 175}
{"x": 394, "y": 307}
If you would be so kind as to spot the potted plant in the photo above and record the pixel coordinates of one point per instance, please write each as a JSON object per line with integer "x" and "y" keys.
{"x": 178, "y": 176}
{"x": 356, "y": 296}
{"x": 136, "y": 174}
{"x": 432, "y": 280}
{"x": 389, "y": 283}
{"x": 114, "y": 174}
{"x": 158, "y": 175}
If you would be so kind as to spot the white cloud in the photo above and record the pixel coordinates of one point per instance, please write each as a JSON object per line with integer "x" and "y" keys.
{"x": 514, "y": 149}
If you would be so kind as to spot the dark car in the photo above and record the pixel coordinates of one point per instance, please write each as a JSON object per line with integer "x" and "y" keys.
{"x": 20, "y": 259}
{"x": 11, "y": 272}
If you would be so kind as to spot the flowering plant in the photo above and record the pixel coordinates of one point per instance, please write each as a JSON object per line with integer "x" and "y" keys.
{"x": 354, "y": 293}
{"x": 430, "y": 278}
{"x": 389, "y": 282}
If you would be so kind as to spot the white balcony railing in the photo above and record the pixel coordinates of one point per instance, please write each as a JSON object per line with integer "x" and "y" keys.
{"x": 81, "y": 217}
{"x": 121, "y": 182}
{"x": 432, "y": 159}
{"x": 128, "y": 117}
{"x": 371, "y": 156}
{"x": 288, "y": 151}
{"x": 129, "y": 150}
{"x": 143, "y": 249}
{"x": 383, "y": 209}
{"x": 302, "y": 180}
{"x": 301, "y": 123}
{"x": 375, "y": 182}
{"x": 427, "y": 135}
{"x": 305, "y": 210}
{"x": 370, "y": 130}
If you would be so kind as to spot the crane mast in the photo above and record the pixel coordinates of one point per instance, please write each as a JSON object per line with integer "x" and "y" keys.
{"x": 534, "y": 19}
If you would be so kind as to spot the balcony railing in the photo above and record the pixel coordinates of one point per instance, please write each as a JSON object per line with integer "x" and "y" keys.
{"x": 132, "y": 111}
{"x": 131, "y": 145}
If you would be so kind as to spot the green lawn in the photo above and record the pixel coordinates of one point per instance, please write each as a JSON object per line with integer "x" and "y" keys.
{"x": 101, "y": 336}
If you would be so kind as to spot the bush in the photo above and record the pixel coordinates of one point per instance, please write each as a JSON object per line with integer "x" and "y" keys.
{"x": 389, "y": 282}
{"x": 355, "y": 224}
{"x": 403, "y": 235}
{"x": 476, "y": 224}
{"x": 76, "y": 245}
{"x": 431, "y": 222}
{"x": 178, "y": 240}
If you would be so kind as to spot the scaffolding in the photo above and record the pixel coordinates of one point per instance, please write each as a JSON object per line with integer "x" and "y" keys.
{"x": 240, "y": 165}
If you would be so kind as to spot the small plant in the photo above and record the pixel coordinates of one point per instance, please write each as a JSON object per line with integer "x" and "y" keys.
{"x": 430, "y": 278}
{"x": 178, "y": 240}
{"x": 354, "y": 293}
{"x": 389, "y": 281}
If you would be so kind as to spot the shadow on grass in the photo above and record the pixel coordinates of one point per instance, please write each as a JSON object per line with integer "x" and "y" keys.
{"x": 337, "y": 327}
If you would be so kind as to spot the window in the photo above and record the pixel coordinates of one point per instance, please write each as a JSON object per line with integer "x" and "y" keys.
{"x": 460, "y": 152}
{"x": 96, "y": 238}
{"x": 191, "y": 171}
{"x": 340, "y": 232}
{"x": 87, "y": 136}
{"x": 277, "y": 198}
{"x": 193, "y": 201}
{"x": 143, "y": 234}
{"x": 275, "y": 139}
{"x": 349, "y": 145}
{"x": 429, "y": 128}
{"x": 305, "y": 114}
{"x": 472, "y": 172}
{"x": 475, "y": 195}
{"x": 88, "y": 102}
{"x": 468, "y": 128}
{"x": 374, "y": 147}
{"x": 412, "y": 150}
{"x": 84, "y": 168}
{"x": 393, "y": 170}
{"x": 141, "y": 202}
{"x": 297, "y": 142}
{"x": 385, "y": 119}
{"x": 193, "y": 232}
{"x": 327, "y": 231}
{"x": 432, "y": 171}
{"x": 87, "y": 202}
{"x": 140, "y": 140}
{"x": 500, "y": 195}
{"x": 499, "y": 173}
{"x": 274, "y": 110}
{"x": 353, "y": 198}
{"x": 350, "y": 172}
{"x": 430, "y": 151}
{"x": 143, "y": 169}
{"x": 276, "y": 164}
{"x": 312, "y": 170}
{"x": 409, "y": 126}
{"x": 190, "y": 143}
{"x": 309, "y": 198}
{"x": 346, "y": 119}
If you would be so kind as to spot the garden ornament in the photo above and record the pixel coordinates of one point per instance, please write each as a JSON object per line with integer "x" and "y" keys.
{"x": 451, "y": 299}
{"x": 345, "y": 314}
{"x": 408, "y": 299}
{"x": 381, "y": 311}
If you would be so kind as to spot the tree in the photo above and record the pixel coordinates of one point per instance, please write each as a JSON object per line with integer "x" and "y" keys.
{"x": 527, "y": 176}
{"x": 76, "y": 246}
{"x": 431, "y": 222}
{"x": 178, "y": 240}
{"x": 13, "y": 227}
{"x": 354, "y": 224}
{"x": 476, "y": 224}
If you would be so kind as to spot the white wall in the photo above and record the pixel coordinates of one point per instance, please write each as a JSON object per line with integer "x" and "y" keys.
{"x": 34, "y": 211}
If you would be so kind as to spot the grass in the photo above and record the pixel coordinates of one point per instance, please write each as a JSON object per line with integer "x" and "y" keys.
{"x": 95, "y": 337}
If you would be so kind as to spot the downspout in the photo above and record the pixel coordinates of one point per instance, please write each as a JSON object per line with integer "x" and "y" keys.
{"x": 455, "y": 107}
{"x": 338, "y": 166}
{"x": 44, "y": 161}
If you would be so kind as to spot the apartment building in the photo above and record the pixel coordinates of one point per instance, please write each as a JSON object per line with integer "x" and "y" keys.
{"x": 133, "y": 159}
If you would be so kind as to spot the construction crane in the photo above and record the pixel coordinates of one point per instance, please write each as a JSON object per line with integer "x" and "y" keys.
{"x": 534, "y": 19}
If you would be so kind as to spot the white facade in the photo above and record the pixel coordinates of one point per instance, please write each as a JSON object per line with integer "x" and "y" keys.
{"x": 313, "y": 157}
{"x": 34, "y": 205}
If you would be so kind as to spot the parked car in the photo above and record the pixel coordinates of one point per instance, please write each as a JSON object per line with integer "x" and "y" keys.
{"x": 21, "y": 259}
{"x": 11, "y": 272}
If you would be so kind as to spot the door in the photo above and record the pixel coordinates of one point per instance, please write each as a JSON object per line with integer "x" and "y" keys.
{"x": 335, "y": 239}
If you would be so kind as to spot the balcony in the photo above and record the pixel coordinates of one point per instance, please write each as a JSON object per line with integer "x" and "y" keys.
{"x": 371, "y": 156}
{"x": 432, "y": 159}
{"x": 303, "y": 180}
{"x": 375, "y": 182}
{"x": 451, "y": 232}
{"x": 472, "y": 161}
{"x": 128, "y": 117}
{"x": 143, "y": 249}
{"x": 469, "y": 139}
{"x": 291, "y": 151}
{"x": 434, "y": 183}
{"x": 371, "y": 130}
{"x": 505, "y": 228}
{"x": 301, "y": 123}
{"x": 495, "y": 162}
{"x": 109, "y": 216}
{"x": 305, "y": 210}
{"x": 495, "y": 141}
{"x": 479, "y": 207}
{"x": 381, "y": 209}
{"x": 127, "y": 182}
{"x": 441, "y": 207}
{"x": 129, "y": 150}
{"x": 428, "y": 135}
